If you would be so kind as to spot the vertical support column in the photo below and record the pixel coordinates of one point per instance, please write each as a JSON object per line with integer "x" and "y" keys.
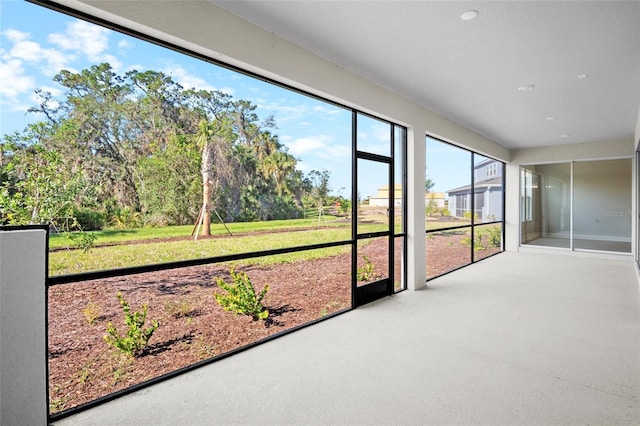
{"x": 23, "y": 381}
{"x": 416, "y": 228}
{"x": 512, "y": 207}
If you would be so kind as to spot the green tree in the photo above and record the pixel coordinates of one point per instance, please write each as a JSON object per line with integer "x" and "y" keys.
{"x": 146, "y": 146}
{"x": 319, "y": 188}
{"x": 428, "y": 185}
{"x": 170, "y": 190}
{"x": 38, "y": 188}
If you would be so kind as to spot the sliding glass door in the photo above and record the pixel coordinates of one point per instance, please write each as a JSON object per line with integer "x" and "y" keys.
{"x": 602, "y": 205}
{"x": 581, "y": 205}
{"x": 546, "y": 205}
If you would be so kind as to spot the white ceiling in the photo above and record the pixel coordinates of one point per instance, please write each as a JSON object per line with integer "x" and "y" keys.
{"x": 470, "y": 71}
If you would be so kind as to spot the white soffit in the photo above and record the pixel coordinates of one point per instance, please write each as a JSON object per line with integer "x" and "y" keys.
{"x": 582, "y": 59}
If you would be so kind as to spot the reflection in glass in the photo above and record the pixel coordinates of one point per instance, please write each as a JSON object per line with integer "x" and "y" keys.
{"x": 545, "y": 205}
{"x": 602, "y": 205}
{"x": 448, "y": 250}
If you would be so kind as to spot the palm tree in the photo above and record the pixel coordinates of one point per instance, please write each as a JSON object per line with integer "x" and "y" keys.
{"x": 204, "y": 140}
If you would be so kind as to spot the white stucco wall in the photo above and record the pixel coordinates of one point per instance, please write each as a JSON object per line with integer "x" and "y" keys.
{"x": 23, "y": 350}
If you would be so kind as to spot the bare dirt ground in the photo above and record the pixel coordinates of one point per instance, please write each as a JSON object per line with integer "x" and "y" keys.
{"x": 193, "y": 327}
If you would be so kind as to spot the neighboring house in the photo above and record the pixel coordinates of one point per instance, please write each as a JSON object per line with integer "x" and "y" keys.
{"x": 440, "y": 198}
{"x": 381, "y": 199}
{"x": 488, "y": 191}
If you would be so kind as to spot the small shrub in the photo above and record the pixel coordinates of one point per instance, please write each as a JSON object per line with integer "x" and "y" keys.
{"x": 89, "y": 220}
{"x": 205, "y": 350}
{"x": 330, "y": 307}
{"x": 478, "y": 244}
{"x": 126, "y": 218}
{"x": 240, "y": 297}
{"x": 91, "y": 312}
{"x": 136, "y": 337}
{"x": 178, "y": 309}
{"x": 365, "y": 272}
{"x": 495, "y": 236}
{"x": 467, "y": 215}
{"x": 84, "y": 240}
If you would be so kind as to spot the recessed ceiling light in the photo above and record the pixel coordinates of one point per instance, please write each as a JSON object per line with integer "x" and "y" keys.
{"x": 526, "y": 87}
{"x": 469, "y": 15}
{"x": 551, "y": 117}
{"x": 565, "y": 136}
{"x": 582, "y": 76}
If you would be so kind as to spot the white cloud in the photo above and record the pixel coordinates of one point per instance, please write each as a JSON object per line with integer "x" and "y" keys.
{"x": 37, "y": 99}
{"x": 50, "y": 61}
{"x": 15, "y": 36}
{"x": 325, "y": 110}
{"x": 381, "y": 132}
{"x": 13, "y": 80}
{"x": 285, "y": 113}
{"x": 88, "y": 40}
{"x": 308, "y": 144}
{"x": 124, "y": 44}
{"x": 187, "y": 80}
{"x": 84, "y": 37}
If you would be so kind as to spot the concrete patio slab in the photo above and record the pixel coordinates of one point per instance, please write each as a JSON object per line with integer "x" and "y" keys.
{"x": 515, "y": 339}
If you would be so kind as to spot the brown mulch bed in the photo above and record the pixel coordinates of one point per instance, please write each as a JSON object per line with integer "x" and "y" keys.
{"x": 193, "y": 327}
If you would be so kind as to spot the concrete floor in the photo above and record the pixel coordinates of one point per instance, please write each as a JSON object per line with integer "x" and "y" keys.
{"x": 519, "y": 338}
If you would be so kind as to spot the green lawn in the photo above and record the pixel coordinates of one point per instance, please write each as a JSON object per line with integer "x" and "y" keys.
{"x": 134, "y": 247}
{"x": 63, "y": 262}
{"x": 118, "y": 236}
{"x": 431, "y": 224}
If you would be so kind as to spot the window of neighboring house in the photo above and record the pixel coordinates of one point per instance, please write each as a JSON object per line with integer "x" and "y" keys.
{"x": 492, "y": 170}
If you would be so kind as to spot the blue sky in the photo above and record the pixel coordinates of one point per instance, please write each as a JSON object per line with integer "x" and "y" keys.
{"x": 36, "y": 43}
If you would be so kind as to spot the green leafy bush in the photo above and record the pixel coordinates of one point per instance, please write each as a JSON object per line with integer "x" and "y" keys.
{"x": 126, "y": 218}
{"x": 467, "y": 215}
{"x": 136, "y": 337}
{"x": 89, "y": 219}
{"x": 365, "y": 272}
{"x": 84, "y": 240}
{"x": 495, "y": 236}
{"x": 240, "y": 296}
{"x": 478, "y": 244}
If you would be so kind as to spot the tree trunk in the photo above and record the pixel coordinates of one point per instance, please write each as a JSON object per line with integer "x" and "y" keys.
{"x": 207, "y": 183}
{"x": 206, "y": 206}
